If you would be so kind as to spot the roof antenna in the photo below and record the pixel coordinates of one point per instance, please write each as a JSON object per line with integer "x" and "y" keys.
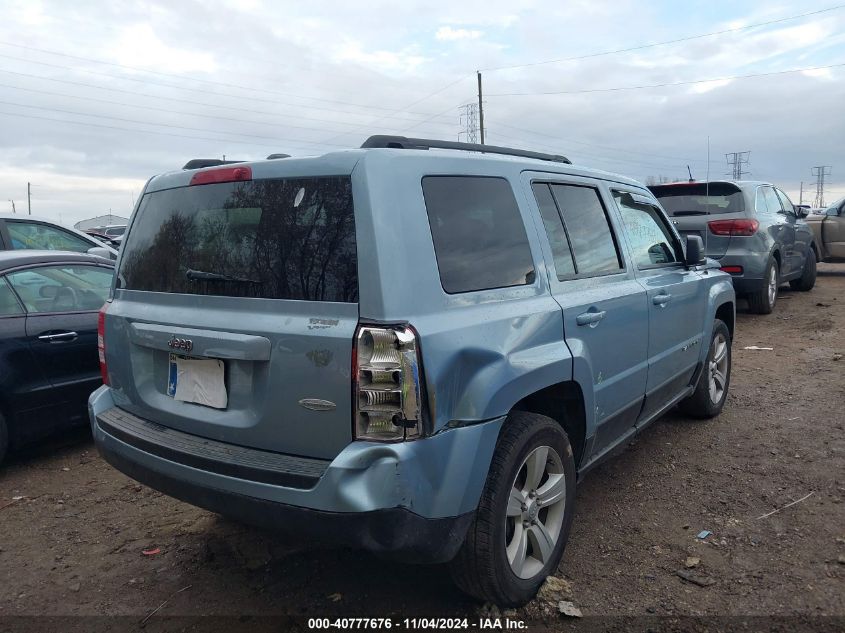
{"x": 691, "y": 179}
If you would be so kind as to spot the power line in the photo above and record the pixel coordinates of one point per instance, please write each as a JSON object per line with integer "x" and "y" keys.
{"x": 167, "y": 125}
{"x": 198, "y": 103}
{"x": 198, "y": 90}
{"x": 196, "y": 79}
{"x": 664, "y": 43}
{"x": 378, "y": 119}
{"x": 169, "y": 111}
{"x": 663, "y": 85}
{"x": 124, "y": 129}
{"x": 681, "y": 160}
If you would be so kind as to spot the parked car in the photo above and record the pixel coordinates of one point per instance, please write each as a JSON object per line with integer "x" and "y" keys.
{"x": 49, "y": 303}
{"x": 114, "y": 230}
{"x": 415, "y": 352}
{"x": 102, "y": 237}
{"x": 752, "y": 229}
{"x": 29, "y": 232}
{"x": 829, "y": 232}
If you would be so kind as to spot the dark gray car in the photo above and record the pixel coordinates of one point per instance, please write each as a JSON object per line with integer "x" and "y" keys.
{"x": 751, "y": 228}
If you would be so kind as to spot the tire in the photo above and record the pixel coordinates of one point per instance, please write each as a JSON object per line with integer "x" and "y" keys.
{"x": 763, "y": 301}
{"x": 808, "y": 276}
{"x": 482, "y": 567}
{"x": 4, "y": 438}
{"x": 707, "y": 401}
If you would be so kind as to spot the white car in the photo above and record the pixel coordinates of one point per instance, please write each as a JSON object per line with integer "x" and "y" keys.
{"x": 30, "y": 232}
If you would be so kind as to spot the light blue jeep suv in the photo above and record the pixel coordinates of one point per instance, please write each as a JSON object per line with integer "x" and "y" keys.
{"x": 413, "y": 347}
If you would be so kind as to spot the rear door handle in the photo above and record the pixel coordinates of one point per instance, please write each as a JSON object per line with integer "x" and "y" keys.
{"x": 58, "y": 337}
{"x": 590, "y": 318}
{"x": 661, "y": 299}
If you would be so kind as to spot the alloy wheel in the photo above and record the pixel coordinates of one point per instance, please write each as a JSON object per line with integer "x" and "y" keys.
{"x": 535, "y": 512}
{"x": 718, "y": 367}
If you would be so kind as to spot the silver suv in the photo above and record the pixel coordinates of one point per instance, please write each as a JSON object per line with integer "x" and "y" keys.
{"x": 752, "y": 229}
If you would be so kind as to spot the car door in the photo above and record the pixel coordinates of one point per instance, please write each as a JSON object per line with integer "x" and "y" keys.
{"x": 801, "y": 235}
{"x": 22, "y": 383}
{"x": 604, "y": 308}
{"x": 676, "y": 299}
{"x": 62, "y": 302}
{"x": 833, "y": 231}
{"x": 780, "y": 229}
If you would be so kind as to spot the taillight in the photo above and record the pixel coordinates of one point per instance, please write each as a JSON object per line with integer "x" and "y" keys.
{"x": 222, "y": 174}
{"x": 101, "y": 343}
{"x": 733, "y": 270}
{"x": 387, "y": 384}
{"x": 740, "y": 228}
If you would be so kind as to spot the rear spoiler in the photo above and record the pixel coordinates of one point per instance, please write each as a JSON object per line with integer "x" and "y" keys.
{"x": 199, "y": 163}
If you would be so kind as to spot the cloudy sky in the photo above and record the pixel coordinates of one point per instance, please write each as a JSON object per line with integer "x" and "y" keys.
{"x": 95, "y": 97}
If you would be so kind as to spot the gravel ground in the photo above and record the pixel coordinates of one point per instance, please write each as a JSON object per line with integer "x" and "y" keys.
{"x": 73, "y": 545}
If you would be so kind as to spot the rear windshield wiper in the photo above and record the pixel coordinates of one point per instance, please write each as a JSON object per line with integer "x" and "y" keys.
{"x": 201, "y": 275}
{"x": 680, "y": 213}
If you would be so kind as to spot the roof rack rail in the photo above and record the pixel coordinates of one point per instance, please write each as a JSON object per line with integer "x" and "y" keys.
{"x": 403, "y": 142}
{"x": 275, "y": 156}
{"x": 199, "y": 163}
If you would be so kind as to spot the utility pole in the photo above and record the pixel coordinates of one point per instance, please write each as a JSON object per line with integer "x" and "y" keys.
{"x": 736, "y": 160}
{"x": 469, "y": 120}
{"x": 801, "y": 194}
{"x": 820, "y": 172}
{"x": 480, "y": 108}
{"x": 29, "y": 198}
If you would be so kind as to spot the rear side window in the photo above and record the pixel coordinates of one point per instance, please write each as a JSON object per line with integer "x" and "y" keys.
{"x": 558, "y": 240}
{"x": 785, "y": 202}
{"x": 651, "y": 240}
{"x": 8, "y": 302}
{"x": 65, "y": 288}
{"x": 767, "y": 201}
{"x": 589, "y": 231}
{"x": 288, "y": 238}
{"x": 44, "y": 237}
{"x": 479, "y": 236}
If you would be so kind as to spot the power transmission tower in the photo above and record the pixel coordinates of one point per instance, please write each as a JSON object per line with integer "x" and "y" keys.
{"x": 820, "y": 172}
{"x": 469, "y": 121}
{"x": 735, "y": 161}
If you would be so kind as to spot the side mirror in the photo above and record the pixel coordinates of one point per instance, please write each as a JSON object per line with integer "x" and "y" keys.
{"x": 801, "y": 212}
{"x": 695, "y": 251}
{"x": 99, "y": 251}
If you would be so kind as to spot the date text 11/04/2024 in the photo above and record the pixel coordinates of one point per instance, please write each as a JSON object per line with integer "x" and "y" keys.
{"x": 482, "y": 624}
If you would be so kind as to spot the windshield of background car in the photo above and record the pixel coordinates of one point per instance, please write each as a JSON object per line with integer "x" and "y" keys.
{"x": 274, "y": 239}
{"x": 700, "y": 198}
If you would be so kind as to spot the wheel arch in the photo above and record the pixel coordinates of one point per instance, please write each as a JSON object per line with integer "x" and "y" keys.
{"x": 727, "y": 312}
{"x": 563, "y": 402}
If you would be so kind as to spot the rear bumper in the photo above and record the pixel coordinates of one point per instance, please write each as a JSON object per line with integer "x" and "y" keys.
{"x": 413, "y": 500}
{"x": 753, "y": 270}
{"x": 396, "y": 532}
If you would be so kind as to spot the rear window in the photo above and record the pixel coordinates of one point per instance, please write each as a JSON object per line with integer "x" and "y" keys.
{"x": 700, "y": 198}
{"x": 479, "y": 236}
{"x": 273, "y": 239}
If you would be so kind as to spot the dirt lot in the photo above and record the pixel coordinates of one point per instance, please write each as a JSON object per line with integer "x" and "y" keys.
{"x": 73, "y": 544}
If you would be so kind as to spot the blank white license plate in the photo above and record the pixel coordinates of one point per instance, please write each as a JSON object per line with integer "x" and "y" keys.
{"x": 198, "y": 380}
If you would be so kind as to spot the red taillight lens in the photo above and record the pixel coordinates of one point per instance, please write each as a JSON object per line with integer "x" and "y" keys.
{"x": 101, "y": 343}
{"x": 387, "y": 384}
{"x": 740, "y": 228}
{"x": 223, "y": 174}
{"x": 733, "y": 270}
